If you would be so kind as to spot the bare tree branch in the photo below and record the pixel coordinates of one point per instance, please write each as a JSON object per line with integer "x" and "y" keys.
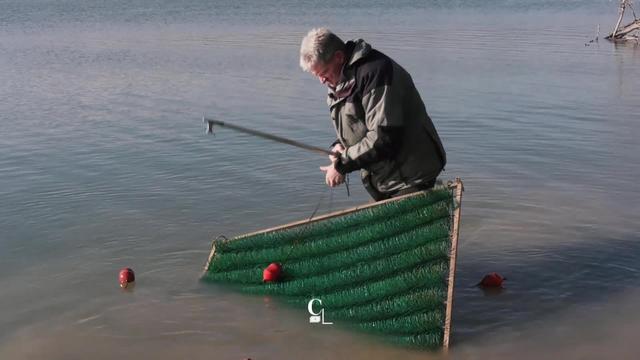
{"x": 623, "y": 33}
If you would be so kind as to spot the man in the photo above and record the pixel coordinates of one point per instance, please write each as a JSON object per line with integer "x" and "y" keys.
{"x": 381, "y": 122}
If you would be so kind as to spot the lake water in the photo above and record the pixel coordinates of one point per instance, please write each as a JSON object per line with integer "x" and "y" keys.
{"x": 104, "y": 164}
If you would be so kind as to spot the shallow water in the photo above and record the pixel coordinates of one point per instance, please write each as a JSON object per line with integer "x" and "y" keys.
{"x": 104, "y": 164}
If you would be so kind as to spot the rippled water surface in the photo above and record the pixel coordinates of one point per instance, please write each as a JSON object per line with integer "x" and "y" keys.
{"x": 104, "y": 164}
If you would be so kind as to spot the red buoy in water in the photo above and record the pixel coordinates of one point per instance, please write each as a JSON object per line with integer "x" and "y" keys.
{"x": 272, "y": 272}
{"x": 492, "y": 280}
{"x": 126, "y": 277}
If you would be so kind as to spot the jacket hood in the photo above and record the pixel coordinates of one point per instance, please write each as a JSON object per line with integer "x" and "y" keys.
{"x": 360, "y": 50}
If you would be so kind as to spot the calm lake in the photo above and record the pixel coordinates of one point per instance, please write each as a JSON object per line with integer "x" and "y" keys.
{"x": 104, "y": 164}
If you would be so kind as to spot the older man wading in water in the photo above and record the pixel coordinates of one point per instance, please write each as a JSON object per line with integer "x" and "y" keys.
{"x": 381, "y": 122}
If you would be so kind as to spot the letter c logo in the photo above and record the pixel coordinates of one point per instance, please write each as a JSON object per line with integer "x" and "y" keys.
{"x": 310, "y": 306}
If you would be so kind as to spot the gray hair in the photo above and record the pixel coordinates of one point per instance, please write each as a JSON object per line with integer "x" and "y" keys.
{"x": 318, "y": 46}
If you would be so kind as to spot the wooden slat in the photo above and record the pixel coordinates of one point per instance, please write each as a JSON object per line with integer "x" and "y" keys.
{"x": 452, "y": 263}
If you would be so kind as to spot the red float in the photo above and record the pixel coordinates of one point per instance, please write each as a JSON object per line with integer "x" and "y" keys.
{"x": 492, "y": 280}
{"x": 126, "y": 277}
{"x": 272, "y": 273}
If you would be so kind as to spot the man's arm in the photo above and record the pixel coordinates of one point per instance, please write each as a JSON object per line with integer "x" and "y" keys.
{"x": 382, "y": 103}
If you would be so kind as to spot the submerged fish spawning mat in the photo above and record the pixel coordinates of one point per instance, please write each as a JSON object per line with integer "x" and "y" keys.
{"x": 386, "y": 268}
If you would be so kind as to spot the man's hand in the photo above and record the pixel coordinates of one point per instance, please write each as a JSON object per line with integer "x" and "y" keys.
{"x": 332, "y": 177}
{"x": 337, "y": 148}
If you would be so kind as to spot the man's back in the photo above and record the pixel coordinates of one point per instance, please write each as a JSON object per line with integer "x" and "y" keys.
{"x": 380, "y": 118}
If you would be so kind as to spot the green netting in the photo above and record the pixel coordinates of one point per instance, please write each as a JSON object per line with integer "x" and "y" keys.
{"x": 429, "y": 340}
{"x": 381, "y": 269}
{"x": 414, "y": 324}
{"x": 414, "y": 301}
{"x": 364, "y": 271}
{"x": 332, "y": 242}
{"x": 373, "y": 291}
{"x": 320, "y": 229}
{"x": 433, "y": 234}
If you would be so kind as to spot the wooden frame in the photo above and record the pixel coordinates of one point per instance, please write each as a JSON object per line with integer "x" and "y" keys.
{"x": 455, "y": 186}
{"x": 458, "y": 188}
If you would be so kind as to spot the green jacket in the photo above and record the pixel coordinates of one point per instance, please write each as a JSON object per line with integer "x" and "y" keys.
{"x": 382, "y": 123}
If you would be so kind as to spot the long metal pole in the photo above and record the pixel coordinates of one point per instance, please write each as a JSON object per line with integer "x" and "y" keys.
{"x": 211, "y": 122}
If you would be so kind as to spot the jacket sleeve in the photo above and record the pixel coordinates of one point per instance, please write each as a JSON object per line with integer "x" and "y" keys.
{"x": 382, "y": 104}
{"x": 336, "y": 142}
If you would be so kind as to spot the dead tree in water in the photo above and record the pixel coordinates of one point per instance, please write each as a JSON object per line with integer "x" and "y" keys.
{"x": 624, "y": 32}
